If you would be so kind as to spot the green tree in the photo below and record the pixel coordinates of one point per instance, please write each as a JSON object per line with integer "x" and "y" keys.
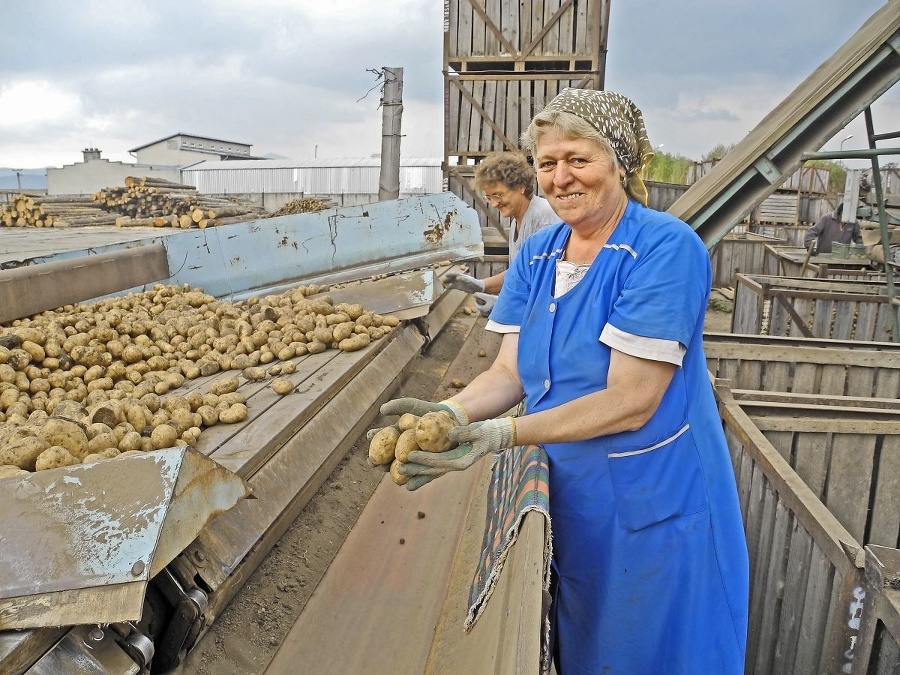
{"x": 837, "y": 174}
{"x": 666, "y": 168}
{"x": 717, "y": 152}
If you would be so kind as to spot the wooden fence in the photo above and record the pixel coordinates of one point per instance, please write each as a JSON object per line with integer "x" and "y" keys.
{"x": 840, "y": 310}
{"x": 813, "y": 430}
{"x": 805, "y": 366}
{"x": 879, "y": 632}
{"x": 739, "y": 252}
{"x": 806, "y": 569}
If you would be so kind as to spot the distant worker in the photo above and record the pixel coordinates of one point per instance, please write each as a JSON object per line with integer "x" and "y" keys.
{"x": 830, "y": 229}
{"x": 507, "y": 181}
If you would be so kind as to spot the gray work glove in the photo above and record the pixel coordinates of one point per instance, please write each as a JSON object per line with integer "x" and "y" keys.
{"x": 462, "y": 282}
{"x": 418, "y": 407}
{"x": 474, "y": 442}
{"x": 485, "y": 303}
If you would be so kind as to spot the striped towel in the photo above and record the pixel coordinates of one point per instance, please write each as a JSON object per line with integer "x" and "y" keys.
{"x": 519, "y": 484}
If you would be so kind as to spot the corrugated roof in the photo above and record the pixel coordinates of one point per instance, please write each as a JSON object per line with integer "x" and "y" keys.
{"x": 182, "y": 133}
{"x": 324, "y": 163}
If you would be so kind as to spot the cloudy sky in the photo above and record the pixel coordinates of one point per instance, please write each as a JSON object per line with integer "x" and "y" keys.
{"x": 294, "y": 77}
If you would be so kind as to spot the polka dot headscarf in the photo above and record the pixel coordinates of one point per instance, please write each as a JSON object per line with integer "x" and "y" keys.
{"x": 620, "y": 122}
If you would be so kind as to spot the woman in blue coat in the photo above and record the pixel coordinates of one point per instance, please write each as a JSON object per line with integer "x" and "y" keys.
{"x": 602, "y": 317}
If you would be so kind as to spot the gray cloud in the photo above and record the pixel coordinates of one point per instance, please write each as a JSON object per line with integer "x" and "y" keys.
{"x": 292, "y": 76}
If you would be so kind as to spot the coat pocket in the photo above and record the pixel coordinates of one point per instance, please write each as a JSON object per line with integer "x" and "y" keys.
{"x": 662, "y": 481}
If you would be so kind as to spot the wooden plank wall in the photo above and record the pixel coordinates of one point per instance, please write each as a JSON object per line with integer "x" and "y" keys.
{"x": 791, "y": 235}
{"x": 504, "y": 61}
{"x": 850, "y": 462}
{"x": 839, "y": 310}
{"x": 781, "y": 207}
{"x": 739, "y": 252}
{"x": 522, "y": 25}
{"x": 490, "y": 113}
{"x": 830, "y": 368}
{"x": 805, "y": 567}
{"x": 879, "y": 631}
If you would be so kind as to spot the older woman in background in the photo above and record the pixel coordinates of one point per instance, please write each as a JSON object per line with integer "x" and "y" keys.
{"x": 507, "y": 181}
{"x": 602, "y": 317}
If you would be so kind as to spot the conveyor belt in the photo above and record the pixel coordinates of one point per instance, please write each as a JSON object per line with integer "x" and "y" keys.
{"x": 865, "y": 67}
{"x": 289, "y": 444}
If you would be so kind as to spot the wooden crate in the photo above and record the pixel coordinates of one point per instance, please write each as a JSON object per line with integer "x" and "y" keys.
{"x": 879, "y": 632}
{"x": 739, "y": 252}
{"x": 504, "y": 60}
{"x": 819, "y": 308}
{"x": 847, "y": 455}
{"x": 804, "y": 365}
{"x": 488, "y": 266}
{"x": 791, "y": 235}
{"x": 781, "y": 207}
{"x": 806, "y": 569}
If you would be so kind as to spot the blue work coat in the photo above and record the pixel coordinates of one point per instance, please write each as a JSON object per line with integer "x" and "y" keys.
{"x": 648, "y": 541}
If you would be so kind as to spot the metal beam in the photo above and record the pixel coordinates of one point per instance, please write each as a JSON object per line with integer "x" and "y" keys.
{"x": 839, "y": 90}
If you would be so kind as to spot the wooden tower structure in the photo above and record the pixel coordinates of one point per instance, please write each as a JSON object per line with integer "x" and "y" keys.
{"x": 503, "y": 61}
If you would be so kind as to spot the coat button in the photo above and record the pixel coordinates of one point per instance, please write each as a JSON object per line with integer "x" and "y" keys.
{"x": 552, "y": 306}
{"x": 546, "y": 384}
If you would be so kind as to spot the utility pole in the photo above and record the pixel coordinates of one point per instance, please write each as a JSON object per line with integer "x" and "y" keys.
{"x": 392, "y": 111}
{"x": 18, "y": 179}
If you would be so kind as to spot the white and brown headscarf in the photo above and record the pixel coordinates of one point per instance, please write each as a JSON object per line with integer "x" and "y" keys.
{"x": 620, "y": 122}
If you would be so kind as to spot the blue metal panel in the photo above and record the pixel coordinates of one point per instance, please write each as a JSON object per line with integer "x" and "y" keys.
{"x": 82, "y": 527}
{"x": 324, "y": 247}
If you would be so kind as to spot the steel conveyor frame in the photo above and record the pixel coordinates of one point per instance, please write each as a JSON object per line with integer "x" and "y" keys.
{"x": 858, "y": 73}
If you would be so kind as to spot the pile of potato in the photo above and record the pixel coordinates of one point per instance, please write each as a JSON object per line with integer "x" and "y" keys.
{"x": 92, "y": 381}
{"x": 392, "y": 444}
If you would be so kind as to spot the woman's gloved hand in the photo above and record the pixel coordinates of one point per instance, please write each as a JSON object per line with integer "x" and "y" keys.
{"x": 485, "y": 303}
{"x": 418, "y": 407}
{"x": 462, "y": 282}
{"x": 475, "y": 441}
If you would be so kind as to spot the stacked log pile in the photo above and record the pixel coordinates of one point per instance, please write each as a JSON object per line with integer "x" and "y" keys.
{"x": 155, "y": 202}
{"x": 141, "y": 202}
{"x": 304, "y": 205}
{"x": 57, "y": 211}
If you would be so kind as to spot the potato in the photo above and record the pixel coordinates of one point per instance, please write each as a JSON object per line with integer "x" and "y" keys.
{"x": 183, "y": 419}
{"x": 352, "y": 344}
{"x": 396, "y": 476}
{"x": 23, "y": 452}
{"x": 164, "y": 436}
{"x": 432, "y": 429}
{"x": 316, "y": 347}
{"x": 208, "y": 415}
{"x": 407, "y": 421}
{"x": 236, "y": 413}
{"x": 253, "y": 374}
{"x": 66, "y": 434}
{"x": 101, "y": 442}
{"x": 109, "y": 413}
{"x": 7, "y": 470}
{"x": 381, "y": 447}
{"x": 232, "y": 398}
{"x": 406, "y": 444}
{"x": 191, "y": 435}
{"x": 282, "y": 386}
{"x": 289, "y": 367}
{"x": 224, "y": 385}
{"x": 55, "y": 457}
